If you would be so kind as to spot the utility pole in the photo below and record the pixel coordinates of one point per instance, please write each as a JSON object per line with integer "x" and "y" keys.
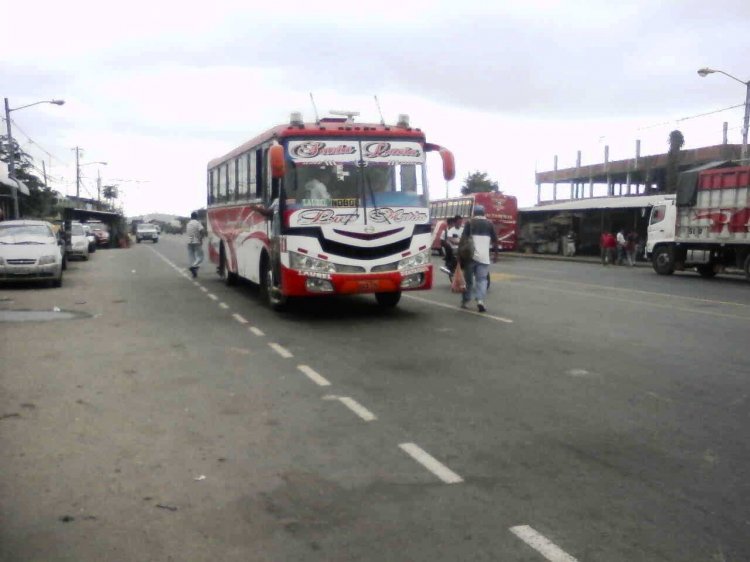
{"x": 78, "y": 172}
{"x": 11, "y": 162}
{"x": 44, "y": 171}
{"x": 98, "y": 189}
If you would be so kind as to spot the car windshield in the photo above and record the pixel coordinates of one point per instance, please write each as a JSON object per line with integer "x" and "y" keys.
{"x": 18, "y": 234}
{"x": 147, "y": 227}
{"x": 77, "y": 230}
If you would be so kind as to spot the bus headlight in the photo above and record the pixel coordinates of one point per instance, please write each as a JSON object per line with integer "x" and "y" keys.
{"x": 422, "y": 258}
{"x": 307, "y": 263}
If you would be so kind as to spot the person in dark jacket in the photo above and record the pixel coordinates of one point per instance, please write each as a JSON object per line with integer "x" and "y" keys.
{"x": 477, "y": 269}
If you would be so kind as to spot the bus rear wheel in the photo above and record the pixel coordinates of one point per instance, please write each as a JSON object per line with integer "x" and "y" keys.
{"x": 388, "y": 300}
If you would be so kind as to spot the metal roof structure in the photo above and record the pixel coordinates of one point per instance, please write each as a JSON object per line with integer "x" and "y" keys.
{"x": 624, "y": 202}
{"x": 6, "y": 180}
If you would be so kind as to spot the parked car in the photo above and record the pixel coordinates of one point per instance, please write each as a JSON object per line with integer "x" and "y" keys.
{"x": 78, "y": 245}
{"x": 91, "y": 237}
{"x": 30, "y": 251}
{"x": 101, "y": 233}
{"x": 144, "y": 231}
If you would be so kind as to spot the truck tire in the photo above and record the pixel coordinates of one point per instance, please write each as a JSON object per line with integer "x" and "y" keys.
{"x": 663, "y": 260}
{"x": 706, "y": 270}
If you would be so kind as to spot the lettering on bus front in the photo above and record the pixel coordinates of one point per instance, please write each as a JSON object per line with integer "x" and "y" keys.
{"x": 388, "y": 215}
{"x": 325, "y": 216}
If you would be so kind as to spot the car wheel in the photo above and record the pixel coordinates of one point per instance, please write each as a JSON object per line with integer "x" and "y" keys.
{"x": 138, "y": 240}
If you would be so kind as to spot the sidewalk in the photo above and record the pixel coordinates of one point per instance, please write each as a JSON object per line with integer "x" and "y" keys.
{"x": 557, "y": 257}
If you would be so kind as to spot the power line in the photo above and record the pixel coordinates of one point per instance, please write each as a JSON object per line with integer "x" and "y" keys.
{"x": 690, "y": 117}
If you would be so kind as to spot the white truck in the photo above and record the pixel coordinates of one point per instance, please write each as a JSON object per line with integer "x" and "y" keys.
{"x": 705, "y": 225}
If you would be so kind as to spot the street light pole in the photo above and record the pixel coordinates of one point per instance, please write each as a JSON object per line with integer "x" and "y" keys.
{"x": 11, "y": 151}
{"x": 703, "y": 72}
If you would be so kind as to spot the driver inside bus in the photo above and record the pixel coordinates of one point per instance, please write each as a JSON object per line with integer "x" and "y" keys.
{"x": 315, "y": 189}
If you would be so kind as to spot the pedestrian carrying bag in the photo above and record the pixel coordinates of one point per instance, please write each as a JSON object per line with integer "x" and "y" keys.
{"x": 466, "y": 249}
{"x": 458, "y": 285}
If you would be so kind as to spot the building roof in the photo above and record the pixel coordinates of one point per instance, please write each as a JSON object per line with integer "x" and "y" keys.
{"x": 7, "y": 181}
{"x": 626, "y": 202}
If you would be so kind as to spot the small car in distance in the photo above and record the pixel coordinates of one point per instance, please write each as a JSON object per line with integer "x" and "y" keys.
{"x": 145, "y": 231}
{"x": 101, "y": 233}
{"x": 78, "y": 245}
{"x": 30, "y": 251}
{"x": 91, "y": 237}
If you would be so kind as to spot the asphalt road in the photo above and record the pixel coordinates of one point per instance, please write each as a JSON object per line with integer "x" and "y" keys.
{"x": 593, "y": 414}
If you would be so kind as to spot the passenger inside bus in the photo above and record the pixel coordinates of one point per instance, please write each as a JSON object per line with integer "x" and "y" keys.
{"x": 315, "y": 189}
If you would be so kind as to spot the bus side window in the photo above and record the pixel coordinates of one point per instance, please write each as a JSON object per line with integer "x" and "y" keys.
{"x": 231, "y": 179}
{"x": 252, "y": 181}
{"x": 210, "y": 187}
{"x": 242, "y": 177}
{"x": 221, "y": 194}
{"x": 258, "y": 175}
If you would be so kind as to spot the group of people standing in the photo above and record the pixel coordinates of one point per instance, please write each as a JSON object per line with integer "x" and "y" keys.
{"x": 616, "y": 249}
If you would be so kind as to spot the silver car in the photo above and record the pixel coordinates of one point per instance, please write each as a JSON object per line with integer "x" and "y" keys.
{"x": 78, "y": 245}
{"x": 30, "y": 251}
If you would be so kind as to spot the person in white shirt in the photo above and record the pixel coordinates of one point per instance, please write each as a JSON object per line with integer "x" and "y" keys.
{"x": 195, "y": 233}
{"x": 621, "y": 245}
{"x": 316, "y": 189}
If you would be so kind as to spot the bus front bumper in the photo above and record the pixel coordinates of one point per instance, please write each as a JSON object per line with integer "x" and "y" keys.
{"x": 308, "y": 283}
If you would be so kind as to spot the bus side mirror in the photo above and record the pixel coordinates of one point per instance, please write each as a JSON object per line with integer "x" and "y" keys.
{"x": 276, "y": 161}
{"x": 449, "y": 164}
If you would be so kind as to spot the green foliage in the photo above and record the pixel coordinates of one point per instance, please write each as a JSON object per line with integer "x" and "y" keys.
{"x": 42, "y": 201}
{"x": 676, "y": 142}
{"x": 478, "y": 182}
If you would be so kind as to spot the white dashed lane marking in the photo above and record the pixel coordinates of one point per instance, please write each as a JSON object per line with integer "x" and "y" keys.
{"x": 256, "y": 331}
{"x": 239, "y": 318}
{"x": 212, "y": 297}
{"x": 431, "y": 463}
{"x": 541, "y": 544}
{"x": 223, "y": 305}
{"x": 354, "y": 406}
{"x": 317, "y": 378}
{"x": 280, "y": 350}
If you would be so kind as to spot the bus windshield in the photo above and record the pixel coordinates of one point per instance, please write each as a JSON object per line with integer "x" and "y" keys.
{"x": 353, "y": 173}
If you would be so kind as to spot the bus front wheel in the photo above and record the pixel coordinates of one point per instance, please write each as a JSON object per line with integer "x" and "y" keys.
{"x": 270, "y": 293}
{"x": 388, "y": 300}
{"x": 228, "y": 277}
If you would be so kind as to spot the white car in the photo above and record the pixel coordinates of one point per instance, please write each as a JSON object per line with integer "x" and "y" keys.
{"x": 146, "y": 231}
{"x": 78, "y": 245}
{"x": 91, "y": 237}
{"x": 30, "y": 251}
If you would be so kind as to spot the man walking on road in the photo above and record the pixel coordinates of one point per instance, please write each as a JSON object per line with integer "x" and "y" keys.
{"x": 477, "y": 271}
{"x": 195, "y": 232}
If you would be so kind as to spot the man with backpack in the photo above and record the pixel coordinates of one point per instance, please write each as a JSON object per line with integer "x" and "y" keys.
{"x": 477, "y": 239}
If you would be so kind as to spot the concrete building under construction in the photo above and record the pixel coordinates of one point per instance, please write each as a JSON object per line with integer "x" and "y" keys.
{"x": 631, "y": 186}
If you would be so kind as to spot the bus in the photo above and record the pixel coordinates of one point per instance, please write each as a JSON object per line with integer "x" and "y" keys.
{"x": 331, "y": 207}
{"x": 500, "y": 209}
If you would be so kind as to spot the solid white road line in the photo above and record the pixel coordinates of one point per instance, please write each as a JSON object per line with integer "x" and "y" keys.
{"x": 223, "y": 305}
{"x": 256, "y": 331}
{"x": 354, "y": 406}
{"x": 212, "y": 297}
{"x": 457, "y": 309}
{"x": 541, "y": 544}
{"x": 239, "y": 318}
{"x": 314, "y": 376}
{"x": 280, "y": 350}
{"x": 431, "y": 463}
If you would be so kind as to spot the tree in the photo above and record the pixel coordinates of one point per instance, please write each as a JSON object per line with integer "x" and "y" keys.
{"x": 676, "y": 142}
{"x": 110, "y": 193}
{"x": 478, "y": 182}
{"x": 42, "y": 200}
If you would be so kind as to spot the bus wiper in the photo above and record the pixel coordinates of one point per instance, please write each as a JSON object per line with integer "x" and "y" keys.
{"x": 374, "y": 205}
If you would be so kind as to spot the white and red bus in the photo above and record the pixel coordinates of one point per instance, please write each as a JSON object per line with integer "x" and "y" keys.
{"x": 500, "y": 209}
{"x": 346, "y": 210}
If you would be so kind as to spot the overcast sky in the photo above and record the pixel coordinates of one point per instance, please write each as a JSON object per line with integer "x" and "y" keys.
{"x": 157, "y": 89}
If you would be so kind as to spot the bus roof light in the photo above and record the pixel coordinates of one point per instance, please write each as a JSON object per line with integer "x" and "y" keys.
{"x": 403, "y": 120}
{"x": 296, "y": 119}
